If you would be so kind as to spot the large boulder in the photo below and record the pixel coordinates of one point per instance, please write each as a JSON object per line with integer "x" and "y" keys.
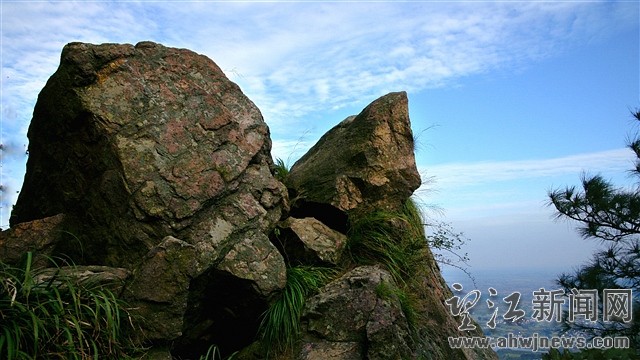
{"x": 142, "y": 142}
{"x": 162, "y": 166}
{"x": 364, "y": 163}
{"x": 365, "y": 314}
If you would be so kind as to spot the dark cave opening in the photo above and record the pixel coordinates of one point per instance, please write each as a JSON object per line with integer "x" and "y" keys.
{"x": 222, "y": 310}
{"x": 329, "y": 215}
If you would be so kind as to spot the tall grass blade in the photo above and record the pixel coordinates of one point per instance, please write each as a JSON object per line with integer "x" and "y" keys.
{"x": 280, "y": 326}
{"x": 59, "y": 319}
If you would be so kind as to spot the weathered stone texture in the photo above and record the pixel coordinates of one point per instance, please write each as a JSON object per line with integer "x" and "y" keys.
{"x": 364, "y": 163}
{"x": 142, "y": 142}
{"x": 161, "y": 165}
{"x": 309, "y": 241}
{"x": 39, "y": 237}
{"x": 352, "y": 310}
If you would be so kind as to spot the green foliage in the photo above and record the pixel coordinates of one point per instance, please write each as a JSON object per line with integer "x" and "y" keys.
{"x": 212, "y": 353}
{"x": 395, "y": 239}
{"x": 58, "y": 319}
{"x": 612, "y": 216}
{"x": 414, "y": 218}
{"x": 281, "y": 170}
{"x": 444, "y": 238}
{"x": 591, "y": 354}
{"x": 280, "y": 325}
{"x": 398, "y": 240}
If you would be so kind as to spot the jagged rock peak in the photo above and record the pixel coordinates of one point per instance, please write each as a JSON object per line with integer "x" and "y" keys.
{"x": 364, "y": 163}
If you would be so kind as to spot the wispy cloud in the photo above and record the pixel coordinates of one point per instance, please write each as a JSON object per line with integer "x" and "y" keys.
{"x": 502, "y": 206}
{"x": 293, "y": 59}
{"x": 458, "y": 175}
{"x": 513, "y": 188}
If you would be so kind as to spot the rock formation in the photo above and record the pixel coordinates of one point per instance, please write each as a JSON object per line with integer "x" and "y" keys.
{"x": 159, "y": 164}
{"x": 351, "y": 312}
{"x": 149, "y": 167}
{"x": 364, "y": 163}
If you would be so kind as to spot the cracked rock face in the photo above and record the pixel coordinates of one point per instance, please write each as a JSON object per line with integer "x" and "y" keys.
{"x": 160, "y": 165}
{"x": 309, "y": 241}
{"x": 146, "y": 135}
{"x": 352, "y": 310}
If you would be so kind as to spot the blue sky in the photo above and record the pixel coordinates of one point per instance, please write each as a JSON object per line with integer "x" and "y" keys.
{"x": 510, "y": 99}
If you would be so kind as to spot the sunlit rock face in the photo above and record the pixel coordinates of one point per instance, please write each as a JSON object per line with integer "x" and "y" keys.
{"x": 364, "y": 163}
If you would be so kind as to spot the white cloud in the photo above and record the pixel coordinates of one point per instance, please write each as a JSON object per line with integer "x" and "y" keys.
{"x": 458, "y": 175}
{"x": 510, "y": 191}
{"x": 360, "y": 51}
{"x": 297, "y": 58}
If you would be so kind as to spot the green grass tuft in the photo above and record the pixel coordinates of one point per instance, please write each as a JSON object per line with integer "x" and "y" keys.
{"x": 281, "y": 170}
{"x": 59, "y": 319}
{"x": 395, "y": 239}
{"x": 280, "y": 325}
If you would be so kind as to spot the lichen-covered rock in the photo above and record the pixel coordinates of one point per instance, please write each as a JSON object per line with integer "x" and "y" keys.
{"x": 162, "y": 169}
{"x": 113, "y": 279}
{"x": 363, "y": 164}
{"x": 364, "y": 315}
{"x": 38, "y": 236}
{"x": 326, "y": 350}
{"x": 142, "y": 142}
{"x": 255, "y": 259}
{"x": 309, "y": 241}
{"x": 356, "y": 309}
{"x": 160, "y": 288}
{"x": 161, "y": 165}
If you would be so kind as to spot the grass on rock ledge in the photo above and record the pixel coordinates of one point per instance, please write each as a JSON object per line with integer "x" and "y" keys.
{"x": 280, "y": 325}
{"x": 396, "y": 239}
{"x": 59, "y": 319}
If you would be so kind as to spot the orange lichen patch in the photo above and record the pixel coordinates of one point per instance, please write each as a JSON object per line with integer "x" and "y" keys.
{"x": 108, "y": 69}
